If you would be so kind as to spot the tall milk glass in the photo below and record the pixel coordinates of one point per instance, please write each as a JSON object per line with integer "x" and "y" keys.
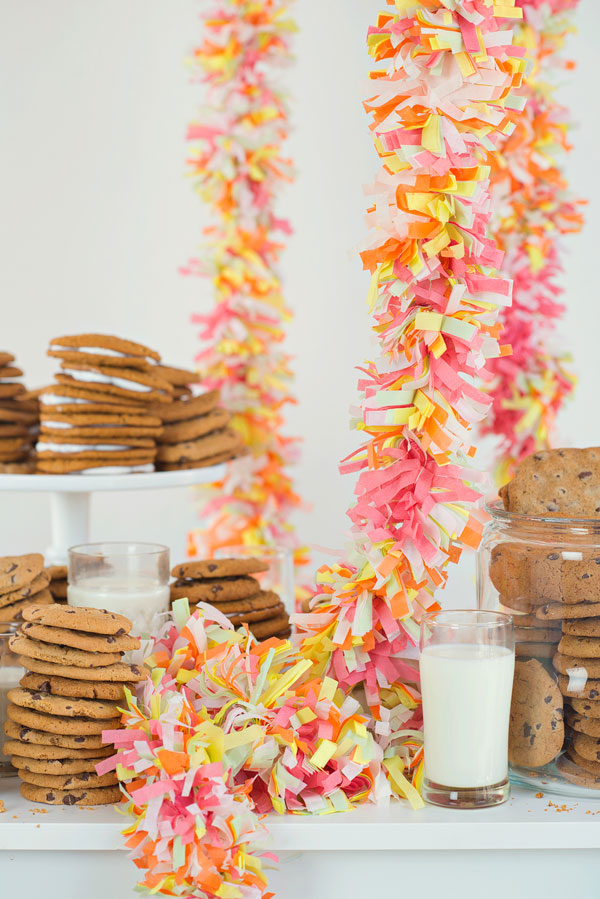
{"x": 467, "y": 664}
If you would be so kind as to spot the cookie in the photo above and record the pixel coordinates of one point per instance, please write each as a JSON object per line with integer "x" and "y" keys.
{"x": 582, "y": 627}
{"x": 96, "y": 425}
{"x": 66, "y": 399}
{"x": 60, "y": 724}
{"x": 80, "y": 618}
{"x": 13, "y": 430}
{"x": 68, "y": 781}
{"x": 582, "y": 647}
{"x": 61, "y": 655}
{"x": 14, "y": 611}
{"x": 225, "y": 440}
{"x": 586, "y": 746}
{"x": 563, "y": 662}
{"x": 530, "y": 620}
{"x": 52, "y": 796}
{"x": 68, "y": 707}
{"x": 55, "y": 767}
{"x": 18, "y": 571}
{"x": 589, "y": 708}
{"x": 563, "y": 483}
{"x": 66, "y": 742}
{"x": 16, "y": 413}
{"x": 103, "y": 349}
{"x": 27, "y": 467}
{"x": 215, "y": 590}
{"x": 6, "y": 358}
{"x": 557, "y": 610}
{"x": 118, "y": 672}
{"x": 98, "y": 643}
{"x": 39, "y": 752}
{"x": 59, "y": 589}
{"x": 38, "y": 584}
{"x": 590, "y": 726}
{"x": 208, "y": 462}
{"x": 131, "y": 383}
{"x": 66, "y": 686}
{"x": 590, "y": 691}
{"x": 534, "y": 634}
{"x": 218, "y": 568}
{"x": 536, "y": 730}
{"x": 116, "y": 463}
{"x": 10, "y": 372}
{"x": 184, "y": 409}
{"x": 182, "y": 431}
{"x": 89, "y": 448}
{"x": 265, "y": 604}
{"x": 535, "y": 650}
{"x": 576, "y": 775}
{"x": 178, "y": 377}
{"x": 57, "y": 572}
{"x": 11, "y": 390}
{"x": 590, "y": 765}
{"x": 277, "y": 626}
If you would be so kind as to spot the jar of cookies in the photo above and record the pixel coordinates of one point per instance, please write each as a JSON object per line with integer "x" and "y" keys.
{"x": 544, "y": 570}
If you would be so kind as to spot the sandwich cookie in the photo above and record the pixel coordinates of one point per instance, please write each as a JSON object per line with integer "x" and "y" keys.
{"x": 141, "y": 386}
{"x": 103, "y": 349}
{"x": 67, "y": 400}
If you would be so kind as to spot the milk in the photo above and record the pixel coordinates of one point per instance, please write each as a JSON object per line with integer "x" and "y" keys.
{"x": 139, "y": 599}
{"x": 466, "y": 692}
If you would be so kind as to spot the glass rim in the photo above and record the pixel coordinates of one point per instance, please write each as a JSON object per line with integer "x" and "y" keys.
{"x": 93, "y": 549}
{"x": 498, "y": 619}
{"x": 495, "y": 508}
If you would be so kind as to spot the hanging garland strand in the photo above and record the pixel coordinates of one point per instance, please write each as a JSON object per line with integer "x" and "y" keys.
{"x": 238, "y": 168}
{"x": 441, "y": 103}
{"x": 532, "y": 210}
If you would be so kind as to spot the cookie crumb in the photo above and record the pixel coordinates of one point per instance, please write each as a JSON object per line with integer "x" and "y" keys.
{"x": 539, "y": 795}
{"x": 2, "y": 807}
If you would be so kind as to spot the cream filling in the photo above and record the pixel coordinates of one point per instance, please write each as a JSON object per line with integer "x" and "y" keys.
{"x": 69, "y": 424}
{"x": 44, "y": 447}
{"x": 117, "y": 469}
{"x": 99, "y": 378}
{"x": 51, "y": 399}
{"x": 97, "y": 350}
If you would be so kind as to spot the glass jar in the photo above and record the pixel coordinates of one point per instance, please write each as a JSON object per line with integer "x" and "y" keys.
{"x": 545, "y": 572}
{"x": 11, "y": 672}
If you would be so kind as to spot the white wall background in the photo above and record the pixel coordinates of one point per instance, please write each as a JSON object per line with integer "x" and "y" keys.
{"x": 96, "y": 216}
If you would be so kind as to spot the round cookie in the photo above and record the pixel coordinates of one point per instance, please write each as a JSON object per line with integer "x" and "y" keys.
{"x": 131, "y": 461}
{"x": 590, "y": 726}
{"x": 56, "y": 767}
{"x": 57, "y": 572}
{"x": 61, "y": 655}
{"x": 53, "y": 426}
{"x": 63, "y": 705}
{"x": 536, "y": 634}
{"x": 67, "y": 399}
{"x": 76, "y": 742}
{"x": 118, "y": 672}
{"x": 562, "y": 482}
{"x": 216, "y": 590}
{"x": 98, "y": 643}
{"x": 582, "y": 627}
{"x": 586, "y": 746}
{"x": 10, "y": 371}
{"x": 184, "y": 409}
{"x": 116, "y": 350}
{"x": 576, "y": 775}
{"x": 218, "y": 568}
{"x": 65, "y": 686}
{"x": 131, "y": 383}
{"x": 562, "y": 663}
{"x": 59, "y": 724}
{"x": 590, "y": 691}
{"x": 17, "y": 571}
{"x": 33, "y": 751}
{"x": 80, "y": 618}
{"x": 592, "y": 766}
{"x": 179, "y": 377}
{"x": 90, "y": 447}
{"x": 222, "y": 441}
{"x": 17, "y": 414}
{"x": 27, "y": 467}
{"x": 582, "y": 647}
{"x": 265, "y": 604}
{"x": 208, "y": 462}
{"x": 68, "y": 781}
{"x": 556, "y": 610}
{"x": 6, "y": 358}
{"x": 536, "y": 730}
{"x": 272, "y": 627}
{"x": 182, "y": 431}
{"x": 59, "y": 588}
{"x": 38, "y": 584}
{"x": 589, "y": 708}
{"x": 535, "y": 650}
{"x": 52, "y": 796}
{"x": 11, "y": 390}
{"x": 13, "y": 430}
{"x": 14, "y": 611}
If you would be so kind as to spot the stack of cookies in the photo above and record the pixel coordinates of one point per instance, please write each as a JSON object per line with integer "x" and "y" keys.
{"x": 58, "y": 582}
{"x": 195, "y": 428}
{"x": 70, "y": 694}
{"x": 18, "y": 420}
{"x": 228, "y": 585}
{"x": 23, "y": 582}
{"x": 97, "y": 417}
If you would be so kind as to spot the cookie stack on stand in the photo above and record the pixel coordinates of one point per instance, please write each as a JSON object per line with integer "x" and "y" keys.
{"x": 96, "y": 417}
{"x": 70, "y": 694}
{"x": 196, "y": 430}
{"x": 23, "y": 582}
{"x": 58, "y": 582}
{"x": 18, "y": 420}
{"x": 228, "y": 585}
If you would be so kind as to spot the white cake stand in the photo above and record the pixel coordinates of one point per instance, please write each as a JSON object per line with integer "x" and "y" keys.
{"x": 70, "y": 497}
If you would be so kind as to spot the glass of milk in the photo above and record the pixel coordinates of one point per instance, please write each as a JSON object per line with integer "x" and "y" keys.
{"x": 131, "y": 579}
{"x": 467, "y": 664}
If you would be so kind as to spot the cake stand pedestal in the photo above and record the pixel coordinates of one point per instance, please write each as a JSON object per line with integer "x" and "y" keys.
{"x": 70, "y": 497}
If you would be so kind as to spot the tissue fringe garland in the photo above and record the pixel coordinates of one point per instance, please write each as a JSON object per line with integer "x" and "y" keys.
{"x": 226, "y": 727}
{"x": 532, "y": 209}
{"x": 238, "y": 168}
{"x": 442, "y": 102}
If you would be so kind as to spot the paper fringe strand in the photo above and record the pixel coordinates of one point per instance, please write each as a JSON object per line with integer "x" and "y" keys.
{"x": 227, "y": 728}
{"x": 238, "y": 168}
{"x": 532, "y": 210}
{"x": 442, "y": 101}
